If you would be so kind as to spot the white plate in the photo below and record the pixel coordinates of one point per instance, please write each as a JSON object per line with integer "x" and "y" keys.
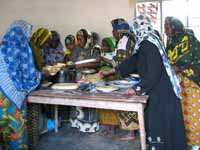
{"x": 85, "y": 61}
{"x": 123, "y": 83}
{"x": 107, "y": 89}
{"x": 65, "y": 86}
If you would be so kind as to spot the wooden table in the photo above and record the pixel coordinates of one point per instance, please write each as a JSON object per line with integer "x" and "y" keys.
{"x": 114, "y": 101}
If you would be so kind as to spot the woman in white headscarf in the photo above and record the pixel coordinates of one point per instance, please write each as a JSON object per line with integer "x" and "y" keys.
{"x": 163, "y": 114}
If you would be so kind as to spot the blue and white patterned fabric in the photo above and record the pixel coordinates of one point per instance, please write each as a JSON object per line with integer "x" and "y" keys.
{"x": 18, "y": 75}
{"x": 144, "y": 31}
{"x": 25, "y": 26}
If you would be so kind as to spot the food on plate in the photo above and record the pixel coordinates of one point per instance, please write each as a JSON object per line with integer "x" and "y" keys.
{"x": 93, "y": 78}
{"x": 65, "y": 86}
{"x": 60, "y": 65}
{"x": 53, "y": 69}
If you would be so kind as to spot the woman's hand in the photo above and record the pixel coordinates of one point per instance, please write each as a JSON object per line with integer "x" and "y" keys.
{"x": 106, "y": 73}
{"x": 130, "y": 92}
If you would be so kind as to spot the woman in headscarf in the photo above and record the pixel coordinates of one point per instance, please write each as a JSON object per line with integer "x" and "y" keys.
{"x": 96, "y": 39}
{"x": 107, "y": 52}
{"x": 70, "y": 44}
{"x": 107, "y": 118}
{"x": 85, "y": 119}
{"x": 125, "y": 42}
{"x": 18, "y": 77}
{"x": 183, "y": 51}
{"x": 38, "y": 40}
{"x": 86, "y": 49}
{"x": 54, "y": 52}
{"x": 163, "y": 115}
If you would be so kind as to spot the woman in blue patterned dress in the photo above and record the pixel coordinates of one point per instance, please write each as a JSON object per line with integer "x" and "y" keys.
{"x": 18, "y": 77}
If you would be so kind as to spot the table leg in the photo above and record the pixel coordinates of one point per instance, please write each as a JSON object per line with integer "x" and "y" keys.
{"x": 142, "y": 127}
{"x": 56, "y": 117}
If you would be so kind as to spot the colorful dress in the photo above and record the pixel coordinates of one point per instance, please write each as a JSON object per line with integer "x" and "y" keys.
{"x": 18, "y": 77}
{"x": 13, "y": 125}
{"x": 128, "y": 120}
{"x": 184, "y": 52}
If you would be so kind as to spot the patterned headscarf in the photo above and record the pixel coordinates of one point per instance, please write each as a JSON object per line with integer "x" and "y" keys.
{"x": 26, "y": 27}
{"x": 120, "y": 25}
{"x": 87, "y": 36}
{"x": 183, "y": 50}
{"x": 144, "y": 31}
{"x": 70, "y": 39}
{"x": 40, "y": 36}
{"x": 37, "y": 40}
{"x": 18, "y": 75}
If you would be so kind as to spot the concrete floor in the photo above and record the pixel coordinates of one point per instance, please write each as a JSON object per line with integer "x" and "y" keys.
{"x": 70, "y": 139}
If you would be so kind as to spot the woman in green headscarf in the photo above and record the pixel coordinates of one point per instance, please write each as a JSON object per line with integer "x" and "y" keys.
{"x": 183, "y": 51}
{"x": 37, "y": 41}
{"x": 107, "y": 49}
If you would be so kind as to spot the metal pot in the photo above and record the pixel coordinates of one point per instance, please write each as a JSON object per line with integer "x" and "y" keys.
{"x": 71, "y": 75}
{"x": 63, "y": 76}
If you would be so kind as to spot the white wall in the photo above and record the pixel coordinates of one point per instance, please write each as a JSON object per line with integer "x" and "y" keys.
{"x": 66, "y": 16}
